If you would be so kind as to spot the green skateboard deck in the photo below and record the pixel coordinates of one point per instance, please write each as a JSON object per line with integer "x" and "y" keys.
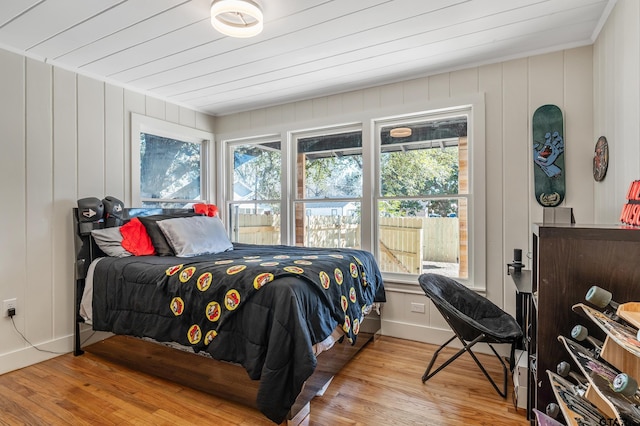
{"x": 548, "y": 155}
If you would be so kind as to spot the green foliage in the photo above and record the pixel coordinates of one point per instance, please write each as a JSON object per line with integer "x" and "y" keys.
{"x": 422, "y": 172}
{"x": 329, "y": 177}
{"x": 414, "y": 173}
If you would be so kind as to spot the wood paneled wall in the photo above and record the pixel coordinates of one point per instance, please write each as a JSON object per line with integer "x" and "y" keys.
{"x": 512, "y": 91}
{"x": 64, "y": 136}
{"x": 616, "y": 63}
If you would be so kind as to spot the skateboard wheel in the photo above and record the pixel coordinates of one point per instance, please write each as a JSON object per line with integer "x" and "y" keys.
{"x": 563, "y": 369}
{"x": 598, "y": 296}
{"x": 625, "y": 384}
{"x": 552, "y": 410}
{"x": 579, "y": 333}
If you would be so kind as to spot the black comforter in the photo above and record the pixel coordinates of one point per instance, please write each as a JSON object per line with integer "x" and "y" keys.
{"x": 260, "y": 306}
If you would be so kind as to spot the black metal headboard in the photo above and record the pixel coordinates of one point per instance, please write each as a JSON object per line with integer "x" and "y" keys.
{"x": 86, "y": 249}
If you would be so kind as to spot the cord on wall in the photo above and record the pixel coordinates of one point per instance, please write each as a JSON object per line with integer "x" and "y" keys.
{"x": 25, "y": 339}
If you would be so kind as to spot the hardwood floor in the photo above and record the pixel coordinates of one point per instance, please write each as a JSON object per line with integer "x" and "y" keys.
{"x": 380, "y": 386}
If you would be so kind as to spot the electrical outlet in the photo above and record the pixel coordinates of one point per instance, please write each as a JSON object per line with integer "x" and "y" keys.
{"x": 417, "y": 307}
{"x": 8, "y": 304}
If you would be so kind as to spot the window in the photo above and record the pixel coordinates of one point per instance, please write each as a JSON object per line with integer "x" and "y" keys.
{"x": 328, "y": 188}
{"x": 255, "y": 187}
{"x": 172, "y": 163}
{"x": 424, "y": 198}
{"x": 416, "y": 201}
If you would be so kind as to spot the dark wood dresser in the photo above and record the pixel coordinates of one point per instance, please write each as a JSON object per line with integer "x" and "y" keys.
{"x": 567, "y": 260}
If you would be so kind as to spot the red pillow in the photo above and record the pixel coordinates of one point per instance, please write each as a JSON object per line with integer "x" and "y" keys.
{"x": 210, "y": 210}
{"x": 135, "y": 238}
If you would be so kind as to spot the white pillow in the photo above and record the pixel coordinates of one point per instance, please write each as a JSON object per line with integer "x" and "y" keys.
{"x": 196, "y": 235}
{"x": 110, "y": 241}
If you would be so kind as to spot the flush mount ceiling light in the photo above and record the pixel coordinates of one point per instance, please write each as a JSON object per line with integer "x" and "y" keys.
{"x": 236, "y": 18}
{"x": 400, "y": 132}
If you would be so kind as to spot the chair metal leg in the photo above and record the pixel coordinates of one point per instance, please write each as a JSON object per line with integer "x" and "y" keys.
{"x": 426, "y": 376}
{"x": 502, "y": 393}
{"x": 466, "y": 347}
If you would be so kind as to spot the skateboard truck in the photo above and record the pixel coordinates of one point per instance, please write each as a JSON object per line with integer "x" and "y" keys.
{"x": 564, "y": 369}
{"x": 581, "y": 334}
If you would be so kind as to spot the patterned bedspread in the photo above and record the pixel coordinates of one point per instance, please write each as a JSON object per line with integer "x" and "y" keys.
{"x": 260, "y": 306}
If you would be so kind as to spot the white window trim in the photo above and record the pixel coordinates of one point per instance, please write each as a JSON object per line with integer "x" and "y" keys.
{"x": 226, "y": 148}
{"x": 477, "y": 166}
{"x": 292, "y": 164}
{"x": 143, "y": 124}
{"x": 477, "y": 193}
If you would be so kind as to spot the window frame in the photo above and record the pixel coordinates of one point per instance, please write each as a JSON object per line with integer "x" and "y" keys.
{"x": 293, "y": 139}
{"x": 227, "y": 155}
{"x": 370, "y": 172}
{"x": 424, "y": 116}
{"x": 157, "y": 127}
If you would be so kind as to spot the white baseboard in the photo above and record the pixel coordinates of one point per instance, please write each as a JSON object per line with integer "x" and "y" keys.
{"x": 434, "y": 336}
{"x": 29, "y": 355}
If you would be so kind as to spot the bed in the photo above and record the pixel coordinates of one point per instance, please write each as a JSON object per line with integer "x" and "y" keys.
{"x": 267, "y": 326}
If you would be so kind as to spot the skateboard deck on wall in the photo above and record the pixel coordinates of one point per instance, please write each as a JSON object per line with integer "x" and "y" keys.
{"x": 548, "y": 155}
{"x": 601, "y": 390}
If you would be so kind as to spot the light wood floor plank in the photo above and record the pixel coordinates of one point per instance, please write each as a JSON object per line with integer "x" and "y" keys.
{"x": 380, "y": 386}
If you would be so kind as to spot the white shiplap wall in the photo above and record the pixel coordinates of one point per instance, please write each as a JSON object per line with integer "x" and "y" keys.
{"x": 64, "y": 137}
{"x": 617, "y": 106}
{"x": 67, "y": 137}
{"x": 512, "y": 91}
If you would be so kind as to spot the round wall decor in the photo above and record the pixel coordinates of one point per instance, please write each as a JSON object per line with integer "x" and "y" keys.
{"x": 601, "y": 159}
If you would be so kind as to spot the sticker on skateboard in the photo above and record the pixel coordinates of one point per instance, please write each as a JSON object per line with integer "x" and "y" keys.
{"x": 601, "y": 377}
{"x": 548, "y": 155}
{"x": 576, "y": 409}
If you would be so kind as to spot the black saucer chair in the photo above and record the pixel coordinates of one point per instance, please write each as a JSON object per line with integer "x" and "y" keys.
{"x": 473, "y": 319}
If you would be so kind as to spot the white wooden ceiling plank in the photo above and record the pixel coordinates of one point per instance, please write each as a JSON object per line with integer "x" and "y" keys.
{"x": 199, "y": 38}
{"x": 464, "y": 34}
{"x": 163, "y": 47}
{"x": 102, "y": 25}
{"x": 450, "y": 22}
{"x": 9, "y": 10}
{"x": 187, "y": 13}
{"x": 548, "y": 40}
{"x": 308, "y": 48}
{"x": 37, "y": 25}
{"x": 289, "y": 44}
{"x": 379, "y": 21}
{"x": 400, "y": 64}
{"x": 273, "y": 37}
